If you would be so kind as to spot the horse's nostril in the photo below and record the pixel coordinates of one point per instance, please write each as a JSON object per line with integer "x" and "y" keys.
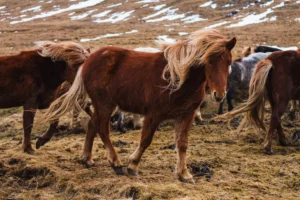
{"x": 215, "y": 94}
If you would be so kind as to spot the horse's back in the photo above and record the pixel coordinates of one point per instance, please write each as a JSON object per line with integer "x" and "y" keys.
{"x": 129, "y": 77}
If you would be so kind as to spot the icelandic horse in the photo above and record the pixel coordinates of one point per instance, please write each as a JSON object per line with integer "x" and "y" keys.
{"x": 275, "y": 79}
{"x": 163, "y": 85}
{"x": 33, "y": 79}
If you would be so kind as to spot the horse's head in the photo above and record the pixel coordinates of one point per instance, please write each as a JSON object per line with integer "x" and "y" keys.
{"x": 71, "y": 53}
{"x": 217, "y": 71}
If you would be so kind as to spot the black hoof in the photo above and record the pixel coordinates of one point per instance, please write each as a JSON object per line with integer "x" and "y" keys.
{"x": 269, "y": 152}
{"x": 121, "y": 129}
{"x": 283, "y": 143}
{"x": 132, "y": 172}
{"x": 41, "y": 142}
{"x": 118, "y": 170}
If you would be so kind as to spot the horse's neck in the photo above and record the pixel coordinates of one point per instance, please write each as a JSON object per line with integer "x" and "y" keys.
{"x": 194, "y": 81}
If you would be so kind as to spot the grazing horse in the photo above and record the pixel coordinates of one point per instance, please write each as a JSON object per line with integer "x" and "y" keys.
{"x": 239, "y": 79}
{"x": 32, "y": 79}
{"x": 163, "y": 85}
{"x": 275, "y": 79}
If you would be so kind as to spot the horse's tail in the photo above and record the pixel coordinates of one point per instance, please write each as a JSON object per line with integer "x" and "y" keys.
{"x": 75, "y": 98}
{"x": 257, "y": 95}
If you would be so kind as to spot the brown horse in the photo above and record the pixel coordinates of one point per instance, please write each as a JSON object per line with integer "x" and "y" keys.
{"x": 32, "y": 79}
{"x": 160, "y": 86}
{"x": 276, "y": 79}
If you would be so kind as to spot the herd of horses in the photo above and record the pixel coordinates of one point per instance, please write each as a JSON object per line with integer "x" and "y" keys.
{"x": 170, "y": 84}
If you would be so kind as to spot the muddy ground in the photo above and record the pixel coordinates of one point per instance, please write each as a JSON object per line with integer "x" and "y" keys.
{"x": 225, "y": 164}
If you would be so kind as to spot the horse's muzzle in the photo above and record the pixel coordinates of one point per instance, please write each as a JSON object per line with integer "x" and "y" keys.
{"x": 217, "y": 98}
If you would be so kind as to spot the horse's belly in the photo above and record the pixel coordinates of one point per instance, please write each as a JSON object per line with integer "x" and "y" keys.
{"x": 7, "y": 101}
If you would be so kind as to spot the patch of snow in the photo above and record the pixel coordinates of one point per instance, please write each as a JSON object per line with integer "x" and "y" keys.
{"x": 147, "y": 1}
{"x": 82, "y": 16}
{"x": 297, "y": 19}
{"x": 114, "y": 5}
{"x": 145, "y": 5}
{"x": 216, "y": 25}
{"x": 294, "y": 48}
{"x": 273, "y": 18}
{"x": 102, "y": 14}
{"x": 214, "y": 5}
{"x": 158, "y": 7}
{"x": 267, "y": 4}
{"x": 165, "y": 38}
{"x": 253, "y": 19}
{"x": 107, "y": 36}
{"x": 116, "y": 17}
{"x": 34, "y": 9}
{"x": 147, "y": 49}
{"x": 133, "y": 31}
{"x": 157, "y": 13}
{"x": 297, "y": 1}
{"x": 193, "y": 18}
{"x": 72, "y": 13}
{"x": 279, "y": 5}
{"x": 170, "y": 15}
{"x": 2, "y": 7}
{"x": 77, "y": 6}
{"x": 174, "y": 24}
{"x": 182, "y": 33}
{"x": 206, "y": 4}
{"x": 228, "y": 5}
{"x": 49, "y": 1}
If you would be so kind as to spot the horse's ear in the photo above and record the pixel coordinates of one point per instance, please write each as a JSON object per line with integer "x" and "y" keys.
{"x": 231, "y": 44}
{"x": 88, "y": 50}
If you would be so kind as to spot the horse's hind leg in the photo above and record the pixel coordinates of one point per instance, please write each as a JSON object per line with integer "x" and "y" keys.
{"x": 89, "y": 140}
{"x": 149, "y": 127}
{"x": 293, "y": 109}
{"x": 181, "y": 130}
{"x": 41, "y": 141}
{"x": 103, "y": 112}
{"x": 28, "y": 117}
{"x": 120, "y": 125}
{"x": 277, "y": 111}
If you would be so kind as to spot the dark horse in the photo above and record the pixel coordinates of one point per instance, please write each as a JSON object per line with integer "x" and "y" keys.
{"x": 33, "y": 79}
{"x": 239, "y": 79}
{"x": 265, "y": 49}
{"x": 160, "y": 86}
{"x": 275, "y": 79}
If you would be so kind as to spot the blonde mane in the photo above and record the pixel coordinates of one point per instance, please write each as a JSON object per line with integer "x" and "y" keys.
{"x": 70, "y": 52}
{"x": 197, "y": 50}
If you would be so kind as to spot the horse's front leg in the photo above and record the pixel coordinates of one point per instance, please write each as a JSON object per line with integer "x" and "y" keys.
{"x": 182, "y": 128}
{"x": 42, "y": 140}
{"x": 28, "y": 118}
{"x": 149, "y": 127}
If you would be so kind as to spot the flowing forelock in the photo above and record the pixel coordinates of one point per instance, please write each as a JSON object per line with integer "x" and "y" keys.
{"x": 197, "y": 50}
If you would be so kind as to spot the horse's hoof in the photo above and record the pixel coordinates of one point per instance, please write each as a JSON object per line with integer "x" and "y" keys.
{"x": 118, "y": 170}
{"x": 132, "y": 172}
{"x": 269, "y": 151}
{"x": 283, "y": 143}
{"x": 41, "y": 142}
{"x": 121, "y": 129}
{"x": 187, "y": 180}
{"x": 28, "y": 150}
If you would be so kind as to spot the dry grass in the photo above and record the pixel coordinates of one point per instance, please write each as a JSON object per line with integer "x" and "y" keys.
{"x": 241, "y": 170}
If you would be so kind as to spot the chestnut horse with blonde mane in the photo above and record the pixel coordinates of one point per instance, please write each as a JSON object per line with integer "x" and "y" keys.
{"x": 275, "y": 79}
{"x": 160, "y": 86}
{"x": 34, "y": 78}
